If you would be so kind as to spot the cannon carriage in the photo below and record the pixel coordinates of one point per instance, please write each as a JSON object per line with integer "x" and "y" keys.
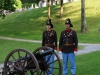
{"x": 23, "y": 62}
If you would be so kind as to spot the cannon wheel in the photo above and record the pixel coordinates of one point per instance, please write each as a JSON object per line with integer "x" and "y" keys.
{"x": 57, "y": 69}
{"x": 16, "y": 63}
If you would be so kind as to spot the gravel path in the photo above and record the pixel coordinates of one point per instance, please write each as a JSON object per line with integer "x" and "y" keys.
{"x": 87, "y": 47}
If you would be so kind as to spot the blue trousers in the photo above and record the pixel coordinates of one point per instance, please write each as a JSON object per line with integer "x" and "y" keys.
{"x": 71, "y": 58}
{"x": 50, "y": 70}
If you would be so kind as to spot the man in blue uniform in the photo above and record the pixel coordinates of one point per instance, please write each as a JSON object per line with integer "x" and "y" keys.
{"x": 68, "y": 46}
{"x": 49, "y": 38}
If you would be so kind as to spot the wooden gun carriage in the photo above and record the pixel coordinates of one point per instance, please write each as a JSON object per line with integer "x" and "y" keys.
{"x": 23, "y": 62}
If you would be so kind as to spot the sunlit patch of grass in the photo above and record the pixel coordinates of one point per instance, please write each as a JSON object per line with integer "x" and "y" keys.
{"x": 30, "y": 24}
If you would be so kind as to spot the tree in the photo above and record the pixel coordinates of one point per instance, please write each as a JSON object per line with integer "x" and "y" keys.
{"x": 2, "y": 14}
{"x": 1, "y": 4}
{"x": 28, "y": 1}
{"x": 52, "y": 1}
{"x": 61, "y": 8}
{"x": 83, "y": 19}
{"x": 17, "y": 4}
{"x": 48, "y": 2}
{"x": 10, "y": 4}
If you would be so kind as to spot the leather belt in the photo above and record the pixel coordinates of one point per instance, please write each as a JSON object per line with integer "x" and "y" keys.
{"x": 48, "y": 44}
{"x": 68, "y": 44}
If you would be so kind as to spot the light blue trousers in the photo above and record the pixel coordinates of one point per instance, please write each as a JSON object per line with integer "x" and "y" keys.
{"x": 50, "y": 70}
{"x": 71, "y": 58}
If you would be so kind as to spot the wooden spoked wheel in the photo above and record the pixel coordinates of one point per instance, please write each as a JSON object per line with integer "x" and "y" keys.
{"x": 21, "y": 62}
{"x": 46, "y": 65}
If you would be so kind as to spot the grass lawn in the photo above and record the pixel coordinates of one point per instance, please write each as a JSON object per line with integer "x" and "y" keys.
{"x": 7, "y": 46}
{"x": 88, "y": 64}
{"x": 31, "y": 24}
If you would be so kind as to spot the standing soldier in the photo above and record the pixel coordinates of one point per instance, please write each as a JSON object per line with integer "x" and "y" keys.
{"x": 68, "y": 46}
{"x": 49, "y": 38}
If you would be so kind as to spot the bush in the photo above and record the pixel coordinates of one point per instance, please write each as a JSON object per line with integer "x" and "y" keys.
{"x": 18, "y": 4}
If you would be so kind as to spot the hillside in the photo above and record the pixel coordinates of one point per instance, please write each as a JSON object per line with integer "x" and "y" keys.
{"x": 31, "y": 23}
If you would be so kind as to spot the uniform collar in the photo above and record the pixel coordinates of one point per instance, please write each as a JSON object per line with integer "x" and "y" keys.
{"x": 68, "y": 30}
{"x": 48, "y": 30}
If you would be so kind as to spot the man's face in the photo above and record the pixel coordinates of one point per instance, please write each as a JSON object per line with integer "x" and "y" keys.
{"x": 48, "y": 27}
{"x": 67, "y": 26}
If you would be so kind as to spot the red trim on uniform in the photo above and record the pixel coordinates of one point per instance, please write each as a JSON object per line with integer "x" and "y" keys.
{"x": 55, "y": 48}
{"x": 75, "y": 49}
{"x": 68, "y": 30}
{"x": 60, "y": 49}
{"x": 42, "y": 48}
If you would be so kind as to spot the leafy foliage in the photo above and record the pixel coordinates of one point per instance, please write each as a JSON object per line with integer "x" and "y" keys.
{"x": 11, "y": 5}
{"x": 18, "y": 4}
{"x": 30, "y": 1}
{"x": 1, "y": 4}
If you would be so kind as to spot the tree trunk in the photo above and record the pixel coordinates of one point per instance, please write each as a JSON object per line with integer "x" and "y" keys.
{"x": 83, "y": 19}
{"x": 51, "y": 2}
{"x": 61, "y": 8}
{"x": 48, "y": 8}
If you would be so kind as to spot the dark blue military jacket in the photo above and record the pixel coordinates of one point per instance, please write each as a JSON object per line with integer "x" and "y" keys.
{"x": 68, "y": 41}
{"x": 49, "y": 38}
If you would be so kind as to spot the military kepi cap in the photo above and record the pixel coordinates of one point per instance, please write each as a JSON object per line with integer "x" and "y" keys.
{"x": 68, "y": 22}
{"x": 48, "y": 22}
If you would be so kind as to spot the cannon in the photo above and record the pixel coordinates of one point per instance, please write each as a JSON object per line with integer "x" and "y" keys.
{"x": 23, "y": 62}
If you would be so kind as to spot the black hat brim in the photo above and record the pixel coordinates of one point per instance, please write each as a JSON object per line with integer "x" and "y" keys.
{"x": 69, "y": 24}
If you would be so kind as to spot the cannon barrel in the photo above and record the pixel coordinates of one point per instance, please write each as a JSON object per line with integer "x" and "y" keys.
{"x": 45, "y": 53}
{"x": 37, "y": 55}
{"x": 20, "y": 62}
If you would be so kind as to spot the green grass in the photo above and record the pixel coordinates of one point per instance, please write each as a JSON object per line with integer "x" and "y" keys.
{"x": 31, "y": 24}
{"x": 7, "y": 46}
{"x": 88, "y": 64}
